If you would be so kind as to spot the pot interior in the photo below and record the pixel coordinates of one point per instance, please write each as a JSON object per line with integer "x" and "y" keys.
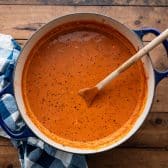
{"x": 133, "y": 39}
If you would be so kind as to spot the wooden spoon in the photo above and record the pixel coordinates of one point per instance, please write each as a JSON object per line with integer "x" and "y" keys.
{"x": 89, "y": 94}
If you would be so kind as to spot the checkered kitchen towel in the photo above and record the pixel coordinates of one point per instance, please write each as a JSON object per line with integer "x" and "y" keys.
{"x": 33, "y": 152}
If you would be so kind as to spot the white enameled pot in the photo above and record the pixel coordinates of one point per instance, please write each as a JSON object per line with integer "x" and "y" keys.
{"x": 134, "y": 37}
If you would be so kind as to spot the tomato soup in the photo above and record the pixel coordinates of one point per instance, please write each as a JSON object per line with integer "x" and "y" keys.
{"x": 75, "y": 56}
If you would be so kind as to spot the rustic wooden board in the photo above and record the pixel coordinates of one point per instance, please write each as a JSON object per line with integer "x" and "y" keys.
{"x": 160, "y": 60}
{"x": 161, "y": 98}
{"x": 5, "y": 142}
{"x": 8, "y": 157}
{"x": 86, "y": 2}
{"x": 22, "y": 20}
{"x": 153, "y": 133}
{"x": 131, "y": 158}
{"x": 118, "y": 158}
{"x": 148, "y": 147}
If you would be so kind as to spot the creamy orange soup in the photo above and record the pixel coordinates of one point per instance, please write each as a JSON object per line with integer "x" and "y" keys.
{"x": 75, "y": 56}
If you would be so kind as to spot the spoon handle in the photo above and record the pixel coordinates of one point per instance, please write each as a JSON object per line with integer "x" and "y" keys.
{"x": 133, "y": 59}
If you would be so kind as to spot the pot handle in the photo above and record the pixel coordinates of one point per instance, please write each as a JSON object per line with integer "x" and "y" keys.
{"x": 25, "y": 132}
{"x": 158, "y": 74}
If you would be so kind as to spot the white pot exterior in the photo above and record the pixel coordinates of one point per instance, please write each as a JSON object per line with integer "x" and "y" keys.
{"x": 130, "y": 35}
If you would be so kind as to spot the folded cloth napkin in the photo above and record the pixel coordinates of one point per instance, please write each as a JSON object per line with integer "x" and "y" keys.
{"x": 33, "y": 152}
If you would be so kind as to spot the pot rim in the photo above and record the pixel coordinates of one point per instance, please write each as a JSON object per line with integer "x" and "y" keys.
{"x": 59, "y": 146}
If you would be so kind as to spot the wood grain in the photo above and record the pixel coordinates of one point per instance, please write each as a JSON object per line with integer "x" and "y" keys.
{"x": 5, "y": 142}
{"x": 153, "y": 133}
{"x": 160, "y": 61}
{"x": 8, "y": 157}
{"x": 161, "y": 98}
{"x": 118, "y": 158}
{"x": 132, "y": 158}
{"x": 149, "y": 146}
{"x": 86, "y": 2}
{"x": 21, "y": 21}
{"x": 159, "y": 57}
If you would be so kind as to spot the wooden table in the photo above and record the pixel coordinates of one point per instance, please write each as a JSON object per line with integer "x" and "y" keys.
{"x": 149, "y": 147}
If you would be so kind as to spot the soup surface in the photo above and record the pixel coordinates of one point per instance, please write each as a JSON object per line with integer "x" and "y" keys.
{"x": 75, "y": 56}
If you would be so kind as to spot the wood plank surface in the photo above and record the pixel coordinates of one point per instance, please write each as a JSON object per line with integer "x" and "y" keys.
{"x": 153, "y": 132}
{"x": 161, "y": 97}
{"x": 21, "y": 21}
{"x": 160, "y": 61}
{"x": 87, "y": 2}
{"x": 9, "y": 157}
{"x": 131, "y": 158}
{"x": 118, "y": 158}
{"x": 5, "y": 142}
{"x": 148, "y": 148}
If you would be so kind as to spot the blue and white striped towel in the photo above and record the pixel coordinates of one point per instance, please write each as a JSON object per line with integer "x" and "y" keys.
{"x": 33, "y": 152}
